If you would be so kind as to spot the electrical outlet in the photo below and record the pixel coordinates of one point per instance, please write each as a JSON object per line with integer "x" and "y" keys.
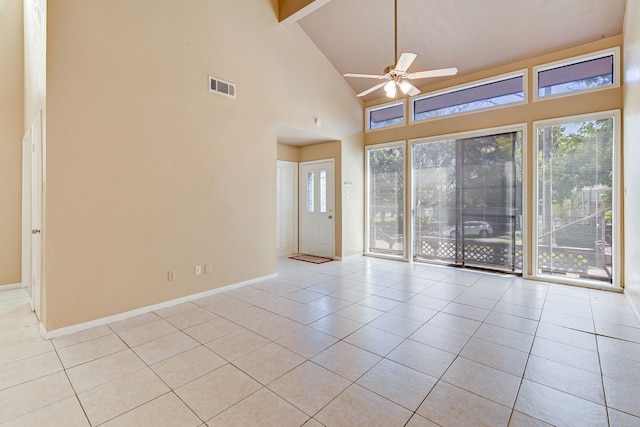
{"x": 198, "y": 270}
{"x": 172, "y": 275}
{"x": 208, "y": 269}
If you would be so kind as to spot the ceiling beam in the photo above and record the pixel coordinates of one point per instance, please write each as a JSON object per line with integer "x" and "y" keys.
{"x": 290, "y": 11}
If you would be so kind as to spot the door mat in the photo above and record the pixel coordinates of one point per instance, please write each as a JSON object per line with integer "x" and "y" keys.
{"x": 310, "y": 258}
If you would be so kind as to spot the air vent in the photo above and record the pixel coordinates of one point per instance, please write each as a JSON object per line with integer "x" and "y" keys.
{"x": 222, "y": 87}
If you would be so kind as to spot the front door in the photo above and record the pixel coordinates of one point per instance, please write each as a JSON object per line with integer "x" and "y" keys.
{"x": 317, "y": 208}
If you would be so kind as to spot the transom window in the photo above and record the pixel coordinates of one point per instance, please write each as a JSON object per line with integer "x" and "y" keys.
{"x": 481, "y": 95}
{"x": 579, "y": 74}
{"x": 385, "y": 116}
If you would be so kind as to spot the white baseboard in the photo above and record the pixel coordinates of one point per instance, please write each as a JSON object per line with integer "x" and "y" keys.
{"x": 142, "y": 310}
{"x": 11, "y": 286}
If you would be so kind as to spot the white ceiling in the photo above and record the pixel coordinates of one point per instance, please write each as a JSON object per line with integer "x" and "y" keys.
{"x": 357, "y": 35}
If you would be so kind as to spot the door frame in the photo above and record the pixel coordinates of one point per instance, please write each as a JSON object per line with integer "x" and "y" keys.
{"x": 296, "y": 205}
{"x": 302, "y": 186}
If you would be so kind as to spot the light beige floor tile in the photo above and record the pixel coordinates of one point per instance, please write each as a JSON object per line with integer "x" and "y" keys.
{"x": 429, "y": 360}
{"x": 212, "y": 330}
{"x": 14, "y": 320}
{"x": 305, "y": 314}
{"x": 466, "y": 311}
{"x": 404, "y": 386}
{"x": 622, "y": 396}
{"x": 147, "y": 332}
{"x": 175, "y": 309}
{"x": 483, "y": 380}
{"x": 275, "y": 327}
{"x": 307, "y": 341}
{"x": 33, "y": 395}
{"x": 166, "y": 410}
{"x": 429, "y": 302}
{"x": 564, "y": 335}
{"x": 518, "y": 419}
{"x": 527, "y": 312}
{"x": 620, "y": 419}
{"x": 17, "y": 336}
{"x": 445, "y": 291}
{"x": 514, "y": 323}
{"x": 103, "y": 370}
{"x": 448, "y": 405}
{"x": 495, "y": 355}
{"x": 361, "y": 313}
{"x": 346, "y": 360}
{"x": 329, "y": 303}
{"x": 67, "y": 413}
{"x": 262, "y": 408}
{"x": 132, "y": 322}
{"x": 452, "y": 342}
{"x": 357, "y": 406}
{"x": 90, "y": 350}
{"x": 216, "y": 391}
{"x": 82, "y": 336}
{"x": 268, "y": 363}
{"x": 24, "y": 350}
{"x": 221, "y": 304}
{"x": 116, "y": 397}
{"x": 619, "y": 368}
{"x": 558, "y": 408}
{"x": 186, "y": 367}
{"x": 374, "y": 340}
{"x": 337, "y": 326}
{"x": 626, "y": 349}
{"x": 237, "y": 344}
{"x": 476, "y": 301}
{"x": 614, "y": 330}
{"x": 417, "y": 421}
{"x": 304, "y": 296}
{"x": 566, "y": 354}
{"x": 351, "y": 295}
{"x": 398, "y": 325}
{"x": 413, "y": 312}
{"x": 157, "y": 350}
{"x": 565, "y": 378}
{"x": 24, "y": 370}
{"x": 279, "y": 305}
{"x": 191, "y": 318}
{"x": 506, "y": 337}
{"x": 568, "y": 321}
{"x": 454, "y": 323}
{"x": 313, "y": 423}
{"x": 309, "y": 387}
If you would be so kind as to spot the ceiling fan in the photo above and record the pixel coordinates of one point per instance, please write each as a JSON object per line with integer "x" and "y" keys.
{"x": 397, "y": 76}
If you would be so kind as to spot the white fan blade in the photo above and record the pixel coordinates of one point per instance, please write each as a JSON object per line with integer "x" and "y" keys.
{"x": 433, "y": 73}
{"x": 368, "y": 91}
{"x": 405, "y": 61}
{"x": 414, "y": 91}
{"x": 364, "y": 76}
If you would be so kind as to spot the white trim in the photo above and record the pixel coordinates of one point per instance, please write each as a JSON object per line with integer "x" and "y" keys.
{"x": 615, "y": 51}
{"x": 12, "y": 286}
{"x": 633, "y": 307}
{"x": 143, "y": 310}
{"x": 616, "y": 204}
{"x": 368, "y": 110}
{"x": 471, "y": 134}
{"x": 401, "y": 144}
{"x": 525, "y": 95}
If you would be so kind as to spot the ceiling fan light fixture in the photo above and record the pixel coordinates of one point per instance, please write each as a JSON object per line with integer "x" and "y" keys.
{"x": 390, "y": 89}
{"x": 405, "y": 86}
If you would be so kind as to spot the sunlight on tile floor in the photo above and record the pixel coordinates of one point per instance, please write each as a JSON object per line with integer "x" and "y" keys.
{"x": 362, "y": 342}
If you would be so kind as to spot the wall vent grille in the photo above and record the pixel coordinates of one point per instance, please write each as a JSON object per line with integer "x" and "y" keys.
{"x": 222, "y": 87}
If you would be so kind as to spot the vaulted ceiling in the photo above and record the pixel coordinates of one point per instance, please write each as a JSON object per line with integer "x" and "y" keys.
{"x": 358, "y": 36}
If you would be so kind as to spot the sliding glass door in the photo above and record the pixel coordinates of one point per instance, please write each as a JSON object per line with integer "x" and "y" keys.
{"x": 576, "y": 199}
{"x": 467, "y": 201}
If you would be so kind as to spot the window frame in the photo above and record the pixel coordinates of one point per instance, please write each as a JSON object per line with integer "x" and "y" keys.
{"x": 616, "y": 205}
{"x": 369, "y": 110}
{"x": 367, "y": 186}
{"x": 537, "y": 69}
{"x": 470, "y": 85}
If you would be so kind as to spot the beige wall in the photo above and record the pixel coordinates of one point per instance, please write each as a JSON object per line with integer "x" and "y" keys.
{"x": 632, "y": 150}
{"x": 146, "y": 170}
{"x": 288, "y": 153}
{"x": 11, "y": 131}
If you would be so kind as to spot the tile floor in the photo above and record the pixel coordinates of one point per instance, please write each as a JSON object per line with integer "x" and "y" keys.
{"x": 363, "y": 342}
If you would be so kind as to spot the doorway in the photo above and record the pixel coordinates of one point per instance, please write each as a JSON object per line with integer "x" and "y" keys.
{"x": 287, "y": 208}
{"x": 467, "y": 201}
{"x": 316, "y": 211}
